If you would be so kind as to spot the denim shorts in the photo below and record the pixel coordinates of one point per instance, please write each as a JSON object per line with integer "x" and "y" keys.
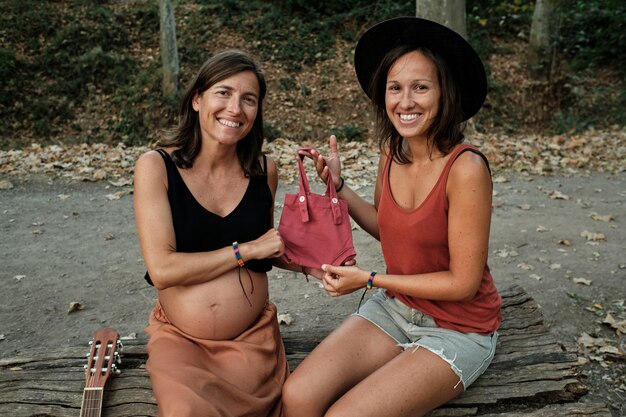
{"x": 469, "y": 354}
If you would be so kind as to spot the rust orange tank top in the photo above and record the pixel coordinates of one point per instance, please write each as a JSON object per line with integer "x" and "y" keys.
{"x": 416, "y": 242}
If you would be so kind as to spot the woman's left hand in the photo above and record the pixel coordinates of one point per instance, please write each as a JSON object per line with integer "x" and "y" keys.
{"x": 319, "y": 273}
{"x": 342, "y": 280}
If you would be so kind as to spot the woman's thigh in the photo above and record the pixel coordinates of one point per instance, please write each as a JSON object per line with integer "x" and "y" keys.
{"x": 344, "y": 358}
{"x": 411, "y": 384}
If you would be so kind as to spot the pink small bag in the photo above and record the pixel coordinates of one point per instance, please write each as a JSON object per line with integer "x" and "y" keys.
{"x": 315, "y": 228}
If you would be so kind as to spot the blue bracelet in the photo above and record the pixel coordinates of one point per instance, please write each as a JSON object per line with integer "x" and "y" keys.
{"x": 370, "y": 281}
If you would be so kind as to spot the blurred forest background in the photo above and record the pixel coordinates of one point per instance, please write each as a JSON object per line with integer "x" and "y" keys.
{"x": 89, "y": 71}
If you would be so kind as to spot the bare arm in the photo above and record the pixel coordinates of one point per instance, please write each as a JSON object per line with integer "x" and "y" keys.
{"x": 157, "y": 239}
{"x": 469, "y": 218}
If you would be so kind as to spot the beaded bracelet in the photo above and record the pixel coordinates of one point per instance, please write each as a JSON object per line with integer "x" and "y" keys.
{"x": 370, "y": 281}
{"x": 340, "y": 185}
{"x": 238, "y": 255}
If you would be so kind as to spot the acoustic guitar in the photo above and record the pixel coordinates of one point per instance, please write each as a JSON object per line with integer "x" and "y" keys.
{"x": 103, "y": 358}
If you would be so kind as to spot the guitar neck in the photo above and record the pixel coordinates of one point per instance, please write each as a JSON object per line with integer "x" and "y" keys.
{"x": 92, "y": 402}
{"x": 100, "y": 363}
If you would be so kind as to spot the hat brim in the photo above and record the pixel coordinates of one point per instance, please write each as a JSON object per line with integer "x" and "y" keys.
{"x": 467, "y": 68}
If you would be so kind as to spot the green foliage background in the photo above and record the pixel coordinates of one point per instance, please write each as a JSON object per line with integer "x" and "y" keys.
{"x": 59, "y": 59}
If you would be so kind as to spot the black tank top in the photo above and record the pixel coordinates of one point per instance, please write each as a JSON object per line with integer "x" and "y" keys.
{"x": 199, "y": 230}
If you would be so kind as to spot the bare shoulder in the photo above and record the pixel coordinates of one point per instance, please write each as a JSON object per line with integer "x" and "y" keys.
{"x": 149, "y": 158}
{"x": 150, "y": 164}
{"x": 469, "y": 168}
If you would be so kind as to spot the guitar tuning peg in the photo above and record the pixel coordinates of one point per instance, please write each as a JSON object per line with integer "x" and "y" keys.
{"x": 115, "y": 369}
{"x": 88, "y": 354}
{"x": 90, "y": 342}
{"x": 85, "y": 366}
{"x": 120, "y": 345}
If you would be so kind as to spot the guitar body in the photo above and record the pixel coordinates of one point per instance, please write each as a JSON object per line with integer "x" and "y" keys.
{"x": 102, "y": 359}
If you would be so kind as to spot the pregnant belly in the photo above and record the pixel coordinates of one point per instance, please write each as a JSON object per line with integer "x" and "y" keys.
{"x": 218, "y": 309}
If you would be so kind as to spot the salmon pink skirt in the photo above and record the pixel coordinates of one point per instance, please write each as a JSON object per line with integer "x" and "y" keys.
{"x": 217, "y": 378}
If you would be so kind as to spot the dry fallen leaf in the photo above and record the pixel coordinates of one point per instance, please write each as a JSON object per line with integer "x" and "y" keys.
{"x": 285, "y": 319}
{"x": 541, "y": 228}
{"x": 109, "y": 236}
{"x": 565, "y": 242}
{"x": 116, "y": 196}
{"x": 5, "y": 185}
{"x": 620, "y": 326}
{"x": 610, "y": 349}
{"x": 582, "y": 281}
{"x": 601, "y": 217}
{"x": 557, "y": 195}
{"x": 593, "y": 343}
{"x": 75, "y": 306}
{"x": 505, "y": 253}
{"x": 591, "y": 236}
{"x": 122, "y": 182}
{"x": 63, "y": 196}
{"x": 19, "y": 277}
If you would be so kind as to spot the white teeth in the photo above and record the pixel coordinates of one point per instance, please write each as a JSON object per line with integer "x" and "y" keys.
{"x": 407, "y": 117}
{"x": 229, "y": 123}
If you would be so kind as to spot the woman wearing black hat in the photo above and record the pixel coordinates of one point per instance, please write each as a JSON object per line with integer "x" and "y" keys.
{"x": 430, "y": 329}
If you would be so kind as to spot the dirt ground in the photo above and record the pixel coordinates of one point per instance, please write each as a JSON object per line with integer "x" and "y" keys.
{"x": 561, "y": 238}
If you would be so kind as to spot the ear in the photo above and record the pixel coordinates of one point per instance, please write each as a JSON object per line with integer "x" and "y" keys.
{"x": 195, "y": 102}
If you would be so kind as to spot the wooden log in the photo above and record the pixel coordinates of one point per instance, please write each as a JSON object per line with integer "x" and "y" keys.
{"x": 531, "y": 375}
{"x": 561, "y": 410}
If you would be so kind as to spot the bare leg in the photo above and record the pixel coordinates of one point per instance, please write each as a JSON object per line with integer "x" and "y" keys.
{"x": 411, "y": 384}
{"x": 348, "y": 355}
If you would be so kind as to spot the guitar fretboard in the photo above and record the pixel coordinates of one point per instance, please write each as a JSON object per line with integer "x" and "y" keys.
{"x": 92, "y": 402}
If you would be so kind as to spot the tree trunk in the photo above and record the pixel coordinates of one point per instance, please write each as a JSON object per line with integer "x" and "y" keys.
{"x": 169, "y": 49}
{"x": 541, "y": 43}
{"x": 450, "y": 13}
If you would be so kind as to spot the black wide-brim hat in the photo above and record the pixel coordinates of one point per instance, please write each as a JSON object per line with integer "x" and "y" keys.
{"x": 467, "y": 68}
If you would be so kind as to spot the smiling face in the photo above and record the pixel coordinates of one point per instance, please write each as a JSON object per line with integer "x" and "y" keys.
{"x": 228, "y": 108}
{"x": 412, "y": 94}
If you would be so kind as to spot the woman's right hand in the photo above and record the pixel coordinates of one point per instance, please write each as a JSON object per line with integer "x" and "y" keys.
{"x": 269, "y": 245}
{"x": 330, "y": 163}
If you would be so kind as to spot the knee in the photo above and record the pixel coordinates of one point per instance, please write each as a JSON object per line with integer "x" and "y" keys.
{"x": 297, "y": 396}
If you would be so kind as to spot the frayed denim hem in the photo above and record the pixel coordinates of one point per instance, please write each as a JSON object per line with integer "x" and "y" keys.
{"x": 441, "y": 354}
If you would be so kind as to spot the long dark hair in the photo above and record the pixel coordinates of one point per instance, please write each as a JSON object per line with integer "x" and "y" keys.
{"x": 445, "y": 131}
{"x": 187, "y": 135}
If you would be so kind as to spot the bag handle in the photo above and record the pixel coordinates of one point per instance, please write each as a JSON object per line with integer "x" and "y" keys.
{"x": 305, "y": 191}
